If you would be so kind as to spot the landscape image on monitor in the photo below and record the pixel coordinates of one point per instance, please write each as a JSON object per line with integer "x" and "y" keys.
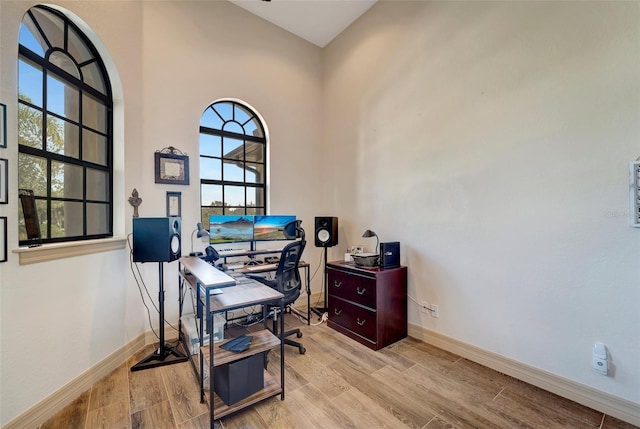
{"x": 230, "y": 229}
{"x": 266, "y": 228}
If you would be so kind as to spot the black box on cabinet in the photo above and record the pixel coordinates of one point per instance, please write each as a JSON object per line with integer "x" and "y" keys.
{"x": 239, "y": 379}
{"x": 390, "y": 254}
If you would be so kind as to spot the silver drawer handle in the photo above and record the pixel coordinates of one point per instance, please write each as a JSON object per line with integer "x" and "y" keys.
{"x": 337, "y": 312}
{"x": 336, "y": 283}
{"x": 361, "y": 292}
{"x": 360, "y": 323}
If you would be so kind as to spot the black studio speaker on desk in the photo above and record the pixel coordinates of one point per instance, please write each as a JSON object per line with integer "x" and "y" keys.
{"x": 156, "y": 239}
{"x": 326, "y": 231}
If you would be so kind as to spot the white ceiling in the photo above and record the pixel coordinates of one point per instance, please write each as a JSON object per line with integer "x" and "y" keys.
{"x": 317, "y": 21}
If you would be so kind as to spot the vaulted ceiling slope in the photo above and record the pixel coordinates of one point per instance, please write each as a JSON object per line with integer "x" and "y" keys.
{"x": 317, "y": 21}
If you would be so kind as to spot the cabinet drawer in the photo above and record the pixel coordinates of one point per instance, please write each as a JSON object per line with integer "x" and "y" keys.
{"x": 352, "y": 287}
{"x": 355, "y": 318}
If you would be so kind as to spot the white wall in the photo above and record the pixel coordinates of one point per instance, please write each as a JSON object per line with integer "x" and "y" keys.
{"x": 173, "y": 59}
{"x": 60, "y": 318}
{"x": 493, "y": 140}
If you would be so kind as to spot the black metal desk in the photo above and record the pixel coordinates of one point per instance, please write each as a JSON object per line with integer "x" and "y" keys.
{"x": 206, "y": 281}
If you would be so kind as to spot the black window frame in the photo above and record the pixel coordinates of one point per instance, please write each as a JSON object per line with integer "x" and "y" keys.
{"x": 70, "y": 29}
{"x": 258, "y": 187}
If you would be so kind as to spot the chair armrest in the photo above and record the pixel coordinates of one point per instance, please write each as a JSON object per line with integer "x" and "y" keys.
{"x": 260, "y": 278}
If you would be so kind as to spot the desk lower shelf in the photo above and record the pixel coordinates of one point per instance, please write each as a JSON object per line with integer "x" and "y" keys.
{"x": 220, "y": 409}
{"x": 261, "y": 341}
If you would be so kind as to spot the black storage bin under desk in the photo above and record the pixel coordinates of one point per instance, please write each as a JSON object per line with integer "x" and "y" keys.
{"x": 237, "y": 380}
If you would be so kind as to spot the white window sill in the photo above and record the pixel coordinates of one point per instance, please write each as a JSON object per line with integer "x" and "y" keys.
{"x": 50, "y": 252}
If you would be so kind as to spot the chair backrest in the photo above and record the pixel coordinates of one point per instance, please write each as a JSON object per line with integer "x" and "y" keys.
{"x": 294, "y": 230}
{"x": 287, "y": 274}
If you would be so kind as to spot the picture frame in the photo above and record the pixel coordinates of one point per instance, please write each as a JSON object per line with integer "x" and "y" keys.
{"x": 174, "y": 204}
{"x": 30, "y": 214}
{"x": 171, "y": 168}
{"x": 3, "y": 125}
{"x": 4, "y": 181}
{"x": 3, "y": 239}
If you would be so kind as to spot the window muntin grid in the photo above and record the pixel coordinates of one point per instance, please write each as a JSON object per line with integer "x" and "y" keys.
{"x": 65, "y": 129}
{"x": 232, "y": 161}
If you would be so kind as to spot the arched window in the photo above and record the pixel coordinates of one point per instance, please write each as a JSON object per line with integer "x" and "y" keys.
{"x": 233, "y": 157}
{"x": 65, "y": 129}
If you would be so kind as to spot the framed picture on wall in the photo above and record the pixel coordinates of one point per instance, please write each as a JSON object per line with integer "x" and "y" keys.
{"x": 3, "y": 125}
{"x": 30, "y": 213}
{"x": 4, "y": 179}
{"x": 3, "y": 239}
{"x": 174, "y": 205}
{"x": 172, "y": 168}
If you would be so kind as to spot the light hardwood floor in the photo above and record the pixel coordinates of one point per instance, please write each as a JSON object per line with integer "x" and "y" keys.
{"x": 338, "y": 383}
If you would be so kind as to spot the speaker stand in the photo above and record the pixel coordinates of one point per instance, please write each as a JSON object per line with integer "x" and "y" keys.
{"x": 165, "y": 355}
{"x": 321, "y": 310}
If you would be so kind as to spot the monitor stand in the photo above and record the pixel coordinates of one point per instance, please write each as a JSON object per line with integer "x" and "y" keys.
{"x": 165, "y": 354}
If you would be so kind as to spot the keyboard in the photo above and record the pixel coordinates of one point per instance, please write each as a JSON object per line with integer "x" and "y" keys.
{"x": 231, "y": 252}
{"x": 234, "y": 266}
{"x": 261, "y": 267}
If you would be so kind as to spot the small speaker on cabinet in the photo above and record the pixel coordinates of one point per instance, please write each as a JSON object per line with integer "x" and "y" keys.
{"x": 156, "y": 239}
{"x": 326, "y": 231}
{"x": 390, "y": 254}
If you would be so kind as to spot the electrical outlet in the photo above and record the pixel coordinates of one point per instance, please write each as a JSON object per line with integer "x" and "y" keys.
{"x": 435, "y": 310}
{"x": 424, "y": 307}
{"x": 600, "y": 361}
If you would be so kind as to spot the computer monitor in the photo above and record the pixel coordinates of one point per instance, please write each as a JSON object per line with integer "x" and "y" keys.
{"x": 230, "y": 229}
{"x": 271, "y": 227}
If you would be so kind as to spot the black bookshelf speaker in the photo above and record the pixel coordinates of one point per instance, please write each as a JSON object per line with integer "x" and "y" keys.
{"x": 326, "y": 231}
{"x": 390, "y": 254}
{"x": 156, "y": 239}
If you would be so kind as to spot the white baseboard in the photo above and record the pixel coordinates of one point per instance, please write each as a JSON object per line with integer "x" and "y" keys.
{"x": 49, "y": 406}
{"x": 601, "y": 401}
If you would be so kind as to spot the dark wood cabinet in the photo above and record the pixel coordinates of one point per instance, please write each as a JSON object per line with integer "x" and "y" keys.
{"x": 368, "y": 305}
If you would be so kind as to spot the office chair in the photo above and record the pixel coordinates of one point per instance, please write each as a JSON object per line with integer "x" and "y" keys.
{"x": 287, "y": 281}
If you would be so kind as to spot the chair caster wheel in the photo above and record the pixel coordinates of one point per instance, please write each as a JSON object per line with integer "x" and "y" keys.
{"x": 299, "y": 334}
{"x": 302, "y": 350}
